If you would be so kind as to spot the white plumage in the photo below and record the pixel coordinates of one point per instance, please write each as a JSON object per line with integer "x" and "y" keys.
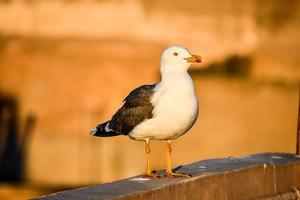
{"x": 175, "y": 110}
{"x": 174, "y": 100}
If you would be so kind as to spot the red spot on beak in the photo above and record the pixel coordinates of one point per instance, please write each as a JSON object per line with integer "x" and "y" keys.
{"x": 198, "y": 60}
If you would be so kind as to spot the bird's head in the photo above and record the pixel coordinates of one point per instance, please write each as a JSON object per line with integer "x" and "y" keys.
{"x": 178, "y": 58}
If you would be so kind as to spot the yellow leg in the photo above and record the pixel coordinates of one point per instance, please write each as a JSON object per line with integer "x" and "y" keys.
{"x": 149, "y": 174}
{"x": 148, "y": 150}
{"x": 169, "y": 171}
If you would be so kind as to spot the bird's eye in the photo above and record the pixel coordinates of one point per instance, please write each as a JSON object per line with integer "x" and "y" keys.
{"x": 175, "y": 54}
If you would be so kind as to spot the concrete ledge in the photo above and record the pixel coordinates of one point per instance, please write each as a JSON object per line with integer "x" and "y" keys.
{"x": 259, "y": 176}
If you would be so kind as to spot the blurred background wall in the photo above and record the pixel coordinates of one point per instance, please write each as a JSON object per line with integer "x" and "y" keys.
{"x": 66, "y": 65}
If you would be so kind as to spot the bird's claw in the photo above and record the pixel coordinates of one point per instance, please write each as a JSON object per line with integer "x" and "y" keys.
{"x": 153, "y": 175}
{"x": 172, "y": 174}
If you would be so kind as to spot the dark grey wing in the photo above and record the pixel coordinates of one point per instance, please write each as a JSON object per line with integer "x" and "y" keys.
{"x": 137, "y": 107}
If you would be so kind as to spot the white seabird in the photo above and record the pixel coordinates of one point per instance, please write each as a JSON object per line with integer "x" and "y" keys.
{"x": 162, "y": 111}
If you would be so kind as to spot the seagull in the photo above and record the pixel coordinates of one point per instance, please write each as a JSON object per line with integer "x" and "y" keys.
{"x": 162, "y": 111}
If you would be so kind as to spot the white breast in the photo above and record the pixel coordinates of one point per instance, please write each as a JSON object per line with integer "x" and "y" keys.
{"x": 175, "y": 110}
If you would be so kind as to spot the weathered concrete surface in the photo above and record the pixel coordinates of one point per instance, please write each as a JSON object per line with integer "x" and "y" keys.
{"x": 260, "y": 176}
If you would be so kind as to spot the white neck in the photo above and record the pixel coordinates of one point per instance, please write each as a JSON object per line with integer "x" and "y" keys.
{"x": 171, "y": 71}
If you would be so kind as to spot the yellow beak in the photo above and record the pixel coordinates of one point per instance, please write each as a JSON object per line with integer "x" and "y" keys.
{"x": 194, "y": 59}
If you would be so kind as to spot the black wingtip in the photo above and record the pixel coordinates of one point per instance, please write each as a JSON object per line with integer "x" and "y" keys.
{"x": 100, "y": 131}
